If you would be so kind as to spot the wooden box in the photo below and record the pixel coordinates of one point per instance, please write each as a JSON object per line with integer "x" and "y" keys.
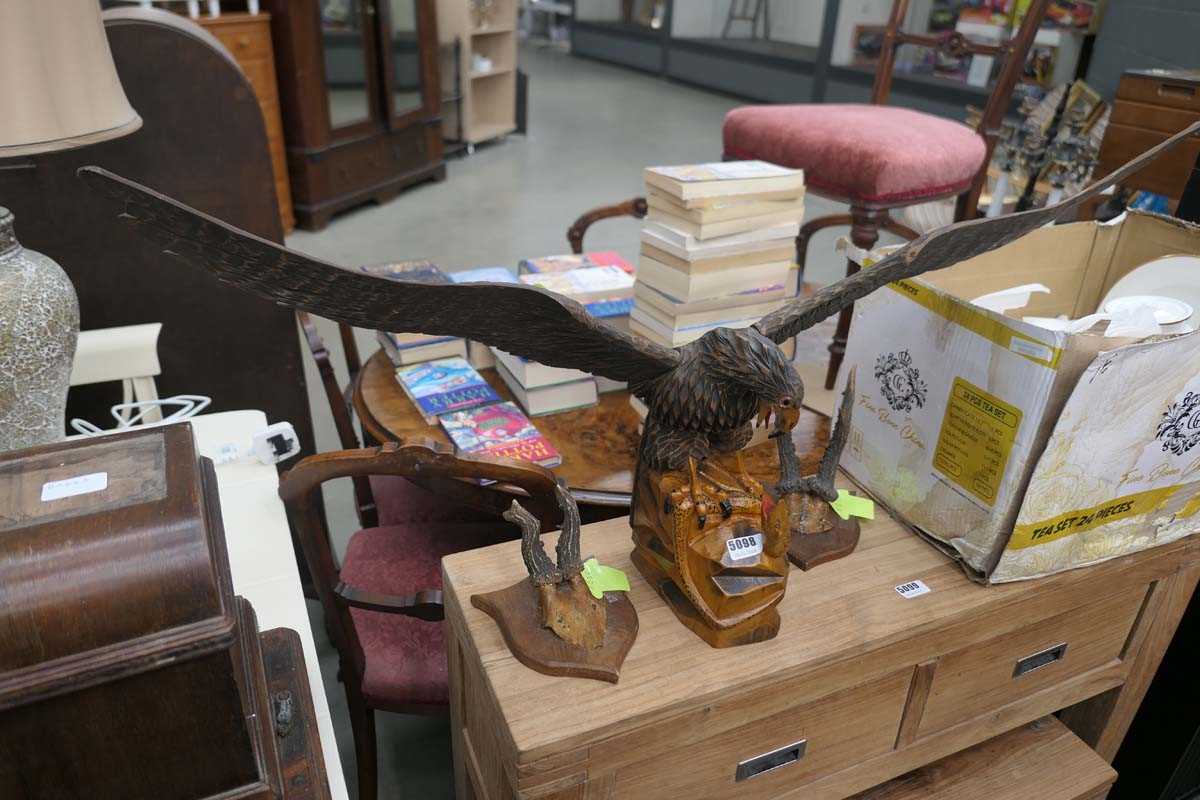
{"x": 861, "y": 686}
{"x": 128, "y": 669}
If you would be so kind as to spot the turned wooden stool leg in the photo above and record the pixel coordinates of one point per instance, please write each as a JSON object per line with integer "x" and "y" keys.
{"x": 864, "y": 232}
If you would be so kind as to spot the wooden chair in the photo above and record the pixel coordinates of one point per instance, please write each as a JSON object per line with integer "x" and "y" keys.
{"x": 875, "y": 157}
{"x": 383, "y": 603}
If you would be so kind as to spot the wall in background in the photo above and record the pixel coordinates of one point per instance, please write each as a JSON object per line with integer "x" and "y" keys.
{"x": 1143, "y": 34}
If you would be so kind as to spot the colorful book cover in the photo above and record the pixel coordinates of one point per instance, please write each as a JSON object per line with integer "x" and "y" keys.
{"x": 500, "y": 430}
{"x": 484, "y": 275}
{"x": 723, "y": 171}
{"x": 601, "y": 258}
{"x": 445, "y": 385}
{"x": 412, "y": 271}
{"x": 604, "y": 309}
{"x": 585, "y": 281}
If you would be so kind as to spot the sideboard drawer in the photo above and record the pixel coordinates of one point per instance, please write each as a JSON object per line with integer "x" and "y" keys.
{"x": 802, "y": 743}
{"x": 977, "y": 679}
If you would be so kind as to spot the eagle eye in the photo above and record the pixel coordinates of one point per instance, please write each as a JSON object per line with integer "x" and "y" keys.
{"x": 785, "y": 402}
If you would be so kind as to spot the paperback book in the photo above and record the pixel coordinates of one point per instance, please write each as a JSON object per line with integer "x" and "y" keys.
{"x": 588, "y": 284}
{"x": 694, "y": 183}
{"x": 602, "y": 258}
{"x": 439, "y": 387}
{"x": 413, "y": 348}
{"x": 499, "y": 430}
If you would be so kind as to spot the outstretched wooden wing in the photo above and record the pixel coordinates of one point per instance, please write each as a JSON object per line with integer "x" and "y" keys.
{"x": 523, "y": 320}
{"x": 941, "y": 248}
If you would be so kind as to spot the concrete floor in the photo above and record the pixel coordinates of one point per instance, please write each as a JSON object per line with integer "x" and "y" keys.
{"x": 592, "y": 128}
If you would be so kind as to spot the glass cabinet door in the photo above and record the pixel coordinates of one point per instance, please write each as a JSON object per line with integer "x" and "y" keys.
{"x": 404, "y": 51}
{"x": 345, "y": 36}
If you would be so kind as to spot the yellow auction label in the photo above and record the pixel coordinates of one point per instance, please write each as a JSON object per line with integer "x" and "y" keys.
{"x": 976, "y": 321}
{"x": 1084, "y": 519}
{"x": 977, "y": 435}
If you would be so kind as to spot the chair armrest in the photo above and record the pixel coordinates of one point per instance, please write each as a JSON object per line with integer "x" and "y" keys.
{"x": 633, "y": 207}
{"x": 425, "y": 604}
{"x": 115, "y": 354}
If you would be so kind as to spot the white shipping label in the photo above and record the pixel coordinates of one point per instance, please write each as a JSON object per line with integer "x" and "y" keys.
{"x": 912, "y": 589}
{"x": 70, "y": 487}
{"x": 742, "y": 547}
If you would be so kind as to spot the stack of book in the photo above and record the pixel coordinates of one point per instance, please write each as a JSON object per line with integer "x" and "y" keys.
{"x": 541, "y": 389}
{"x": 717, "y": 248}
{"x": 412, "y": 348}
{"x": 602, "y": 281}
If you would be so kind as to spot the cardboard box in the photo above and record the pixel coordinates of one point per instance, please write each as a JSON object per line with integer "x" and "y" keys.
{"x": 1018, "y": 450}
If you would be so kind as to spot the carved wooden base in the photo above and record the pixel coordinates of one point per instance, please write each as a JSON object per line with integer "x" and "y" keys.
{"x": 759, "y": 628}
{"x": 807, "y": 550}
{"x": 519, "y": 616}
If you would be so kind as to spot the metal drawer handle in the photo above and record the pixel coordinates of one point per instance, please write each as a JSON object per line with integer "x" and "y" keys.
{"x": 768, "y": 762}
{"x": 1039, "y": 659}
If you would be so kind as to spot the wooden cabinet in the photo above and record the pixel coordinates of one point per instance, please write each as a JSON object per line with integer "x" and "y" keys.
{"x": 874, "y": 685}
{"x": 248, "y": 39}
{"x": 1151, "y": 106}
{"x": 360, "y": 92}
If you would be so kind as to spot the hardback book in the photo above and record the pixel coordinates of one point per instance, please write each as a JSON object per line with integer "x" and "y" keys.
{"x": 499, "y": 430}
{"x": 484, "y": 275}
{"x": 600, "y": 258}
{"x": 605, "y": 385}
{"x": 534, "y": 375}
{"x": 723, "y": 208}
{"x": 673, "y": 314}
{"x": 439, "y": 387}
{"x": 585, "y": 285}
{"x": 683, "y": 245}
{"x": 702, "y": 231}
{"x": 645, "y": 294}
{"x": 403, "y": 349}
{"x": 414, "y": 271}
{"x": 480, "y": 355}
{"x": 781, "y": 250}
{"x": 647, "y": 326}
{"x": 692, "y": 182}
{"x": 687, "y": 288}
{"x": 550, "y": 399}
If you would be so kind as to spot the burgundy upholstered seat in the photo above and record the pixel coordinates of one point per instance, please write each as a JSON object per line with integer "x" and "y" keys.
{"x": 399, "y": 500}
{"x": 867, "y": 154}
{"x": 406, "y": 657}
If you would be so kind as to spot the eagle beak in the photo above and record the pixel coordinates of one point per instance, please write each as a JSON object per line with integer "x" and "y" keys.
{"x": 786, "y": 418}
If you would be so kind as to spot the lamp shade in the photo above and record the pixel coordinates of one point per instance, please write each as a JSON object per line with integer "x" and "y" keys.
{"x": 58, "y": 85}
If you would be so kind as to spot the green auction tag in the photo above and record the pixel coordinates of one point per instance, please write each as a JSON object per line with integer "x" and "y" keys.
{"x": 848, "y": 505}
{"x": 601, "y": 579}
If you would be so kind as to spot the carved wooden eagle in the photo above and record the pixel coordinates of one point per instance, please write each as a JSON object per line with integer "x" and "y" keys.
{"x": 702, "y": 397}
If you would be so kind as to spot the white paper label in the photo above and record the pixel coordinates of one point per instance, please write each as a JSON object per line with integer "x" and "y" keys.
{"x": 743, "y": 547}
{"x": 1031, "y": 349}
{"x": 69, "y": 487}
{"x": 912, "y": 589}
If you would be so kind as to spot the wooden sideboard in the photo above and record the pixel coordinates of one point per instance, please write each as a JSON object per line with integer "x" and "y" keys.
{"x": 1151, "y": 106}
{"x": 876, "y": 684}
{"x": 248, "y": 38}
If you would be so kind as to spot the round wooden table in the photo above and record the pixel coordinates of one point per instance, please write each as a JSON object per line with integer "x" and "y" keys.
{"x": 598, "y": 444}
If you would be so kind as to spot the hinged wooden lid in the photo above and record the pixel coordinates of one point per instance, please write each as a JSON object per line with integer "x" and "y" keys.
{"x": 112, "y": 561}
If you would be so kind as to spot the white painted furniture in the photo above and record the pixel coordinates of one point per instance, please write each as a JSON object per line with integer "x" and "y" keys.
{"x": 128, "y": 353}
{"x": 261, "y": 556}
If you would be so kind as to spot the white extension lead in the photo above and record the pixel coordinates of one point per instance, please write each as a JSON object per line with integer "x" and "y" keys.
{"x": 272, "y": 444}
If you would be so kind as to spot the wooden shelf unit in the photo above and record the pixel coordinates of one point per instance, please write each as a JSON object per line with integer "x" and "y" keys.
{"x": 488, "y": 105}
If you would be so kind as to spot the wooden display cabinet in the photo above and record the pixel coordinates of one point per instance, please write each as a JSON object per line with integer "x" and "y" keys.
{"x": 861, "y": 685}
{"x": 360, "y": 89}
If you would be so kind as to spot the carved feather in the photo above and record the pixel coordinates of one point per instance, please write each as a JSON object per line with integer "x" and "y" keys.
{"x": 523, "y": 320}
{"x": 941, "y": 248}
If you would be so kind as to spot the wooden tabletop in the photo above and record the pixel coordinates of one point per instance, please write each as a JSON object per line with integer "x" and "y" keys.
{"x": 598, "y": 444}
{"x": 834, "y": 614}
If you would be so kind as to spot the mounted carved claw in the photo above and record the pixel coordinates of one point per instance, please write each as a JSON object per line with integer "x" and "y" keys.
{"x": 567, "y": 606}
{"x": 815, "y": 530}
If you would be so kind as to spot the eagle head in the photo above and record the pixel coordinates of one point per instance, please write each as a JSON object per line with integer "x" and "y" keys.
{"x": 755, "y": 364}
